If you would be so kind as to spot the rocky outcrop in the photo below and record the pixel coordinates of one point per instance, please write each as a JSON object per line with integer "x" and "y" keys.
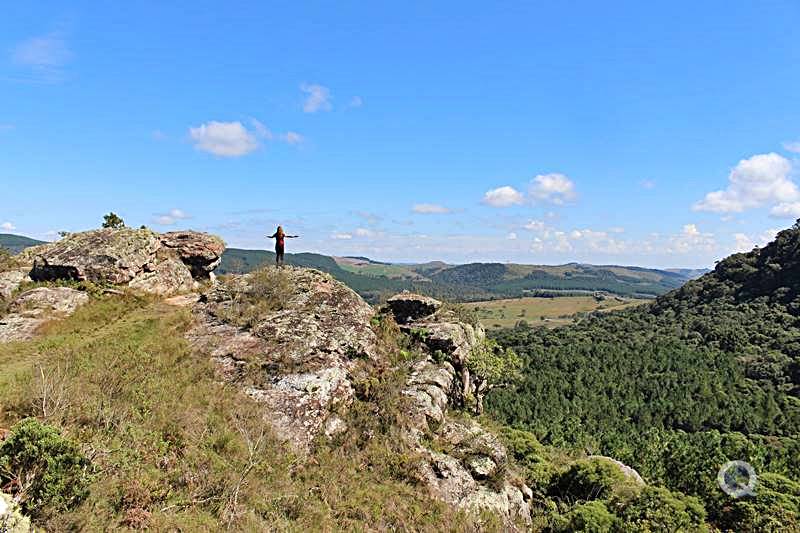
{"x": 297, "y": 356}
{"x": 463, "y": 464}
{"x": 630, "y": 473}
{"x": 141, "y": 259}
{"x": 11, "y": 280}
{"x": 28, "y": 311}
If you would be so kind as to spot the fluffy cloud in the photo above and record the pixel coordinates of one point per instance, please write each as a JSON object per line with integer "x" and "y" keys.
{"x": 760, "y": 181}
{"x": 260, "y": 129}
{"x": 7, "y": 226}
{"x": 745, "y": 243}
{"x": 552, "y": 188}
{"x": 293, "y": 138}
{"x": 318, "y": 98}
{"x": 430, "y": 209}
{"x": 341, "y": 236}
{"x": 690, "y": 239}
{"x": 511, "y": 236}
{"x": 535, "y": 225}
{"x": 503, "y": 197}
{"x": 792, "y": 146}
{"x": 364, "y": 232}
{"x": 225, "y": 139}
{"x": 786, "y": 210}
{"x": 167, "y": 219}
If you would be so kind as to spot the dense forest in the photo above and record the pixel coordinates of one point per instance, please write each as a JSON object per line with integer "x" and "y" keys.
{"x": 705, "y": 374}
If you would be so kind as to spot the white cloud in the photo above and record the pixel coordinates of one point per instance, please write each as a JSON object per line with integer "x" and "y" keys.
{"x": 555, "y": 189}
{"x": 511, "y": 236}
{"x": 7, "y": 226}
{"x": 44, "y": 55}
{"x": 430, "y": 209}
{"x": 260, "y": 129}
{"x": 225, "y": 139}
{"x": 503, "y": 197}
{"x": 759, "y": 181}
{"x": 167, "y": 219}
{"x": 293, "y": 138}
{"x": 535, "y": 225}
{"x": 745, "y": 243}
{"x": 364, "y": 232}
{"x": 356, "y": 101}
{"x": 341, "y": 236}
{"x": 318, "y": 98}
{"x": 690, "y": 239}
{"x": 792, "y": 146}
{"x": 786, "y": 210}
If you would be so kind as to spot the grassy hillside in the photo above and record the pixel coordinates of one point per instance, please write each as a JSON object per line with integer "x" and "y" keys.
{"x": 707, "y": 373}
{"x": 470, "y": 282}
{"x": 16, "y": 243}
{"x": 173, "y": 449}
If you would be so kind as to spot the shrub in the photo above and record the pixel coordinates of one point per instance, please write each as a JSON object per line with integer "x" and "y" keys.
{"x": 658, "y": 509}
{"x": 47, "y": 471}
{"x": 588, "y": 479}
{"x": 256, "y": 295}
{"x": 7, "y": 261}
{"x": 462, "y": 313}
{"x": 589, "y": 517}
{"x": 492, "y": 366}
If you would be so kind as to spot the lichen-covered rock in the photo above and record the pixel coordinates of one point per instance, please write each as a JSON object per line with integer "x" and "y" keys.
{"x": 139, "y": 258}
{"x": 11, "y": 280}
{"x": 11, "y": 518}
{"x": 471, "y": 471}
{"x": 200, "y": 251}
{"x": 408, "y": 306}
{"x": 298, "y": 359}
{"x": 33, "y": 308}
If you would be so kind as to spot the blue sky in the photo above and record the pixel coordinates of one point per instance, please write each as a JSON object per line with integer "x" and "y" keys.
{"x": 652, "y": 133}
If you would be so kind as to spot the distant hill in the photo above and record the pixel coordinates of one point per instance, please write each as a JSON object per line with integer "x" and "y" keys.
{"x": 16, "y": 243}
{"x": 471, "y": 282}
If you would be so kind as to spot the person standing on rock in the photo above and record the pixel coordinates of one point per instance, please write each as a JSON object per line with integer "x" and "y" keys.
{"x": 279, "y": 237}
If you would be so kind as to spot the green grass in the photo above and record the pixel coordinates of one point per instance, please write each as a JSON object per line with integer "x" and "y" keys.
{"x": 549, "y": 312}
{"x": 173, "y": 449}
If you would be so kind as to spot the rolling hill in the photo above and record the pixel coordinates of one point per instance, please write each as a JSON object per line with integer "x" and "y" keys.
{"x": 471, "y": 282}
{"x": 16, "y": 243}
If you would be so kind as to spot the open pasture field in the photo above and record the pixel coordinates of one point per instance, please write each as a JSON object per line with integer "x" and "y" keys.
{"x": 548, "y": 312}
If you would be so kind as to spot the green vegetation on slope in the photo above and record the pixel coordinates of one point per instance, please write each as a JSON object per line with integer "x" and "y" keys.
{"x": 173, "y": 449}
{"x": 705, "y": 374}
{"x": 16, "y": 243}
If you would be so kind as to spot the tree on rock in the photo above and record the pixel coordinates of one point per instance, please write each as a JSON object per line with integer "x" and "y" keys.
{"x": 492, "y": 366}
{"x": 112, "y": 220}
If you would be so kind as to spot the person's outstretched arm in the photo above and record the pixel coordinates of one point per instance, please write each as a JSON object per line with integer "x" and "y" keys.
{"x": 272, "y": 236}
{"x": 291, "y": 236}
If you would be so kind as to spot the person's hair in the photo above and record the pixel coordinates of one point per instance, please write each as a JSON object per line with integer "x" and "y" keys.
{"x": 280, "y": 232}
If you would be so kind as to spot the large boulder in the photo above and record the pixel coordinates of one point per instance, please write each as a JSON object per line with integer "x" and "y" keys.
{"x": 31, "y": 309}
{"x": 291, "y": 338}
{"x": 139, "y": 258}
{"x": 408, "y": 306}
{"x": 11, "y": 280}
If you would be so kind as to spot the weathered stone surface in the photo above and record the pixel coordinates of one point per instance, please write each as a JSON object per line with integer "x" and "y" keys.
{"x": 10, "y": 282}
{"x": 468, "y": 474}
{"x": 141, "y": 259}
{"x": 408, "y": 306}
{"x": 200, "y": 251}
{"x": 33, "y": 308}
{"x": 297, "y": 360}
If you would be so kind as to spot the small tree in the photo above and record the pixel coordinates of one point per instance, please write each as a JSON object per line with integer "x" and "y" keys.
{"x": 112, "y": 220}
{"x": 45, "y": 471}
{"x": 492, "y": 366}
